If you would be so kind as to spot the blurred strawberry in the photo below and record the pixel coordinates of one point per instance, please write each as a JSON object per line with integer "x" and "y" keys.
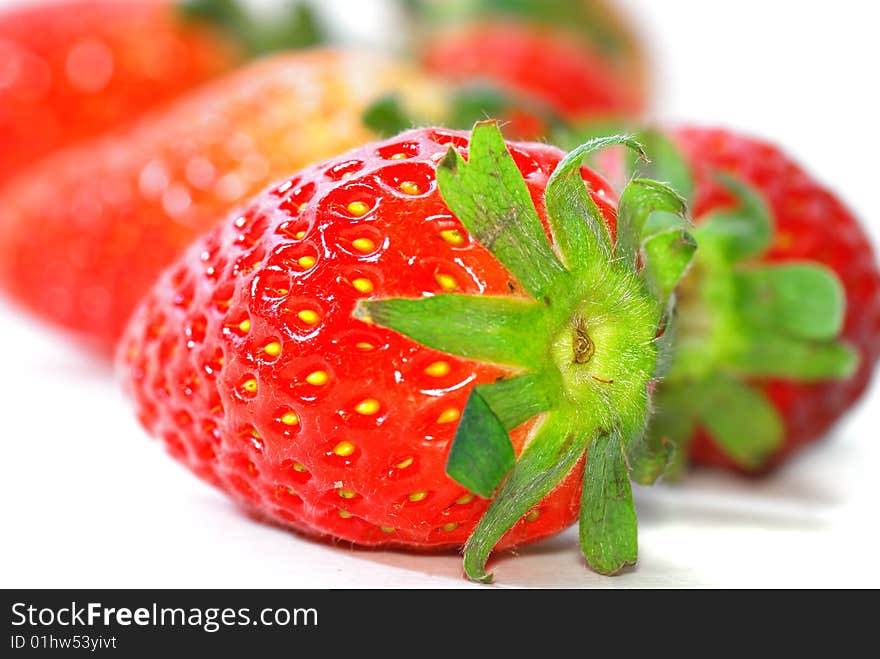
{"x": 84, "y": 232}
{"x": 72, "y": 69}
{"x": 778, "y": 329}
{"x": 579, "y": 58}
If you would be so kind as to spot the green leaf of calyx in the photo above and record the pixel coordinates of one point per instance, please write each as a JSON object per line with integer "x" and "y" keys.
{"x": 639, "y": 200}
{"x": 499, "y": 330}
{"x": 767, "y": 353}
{"x": 744, "y": 423}
{"x": 608, "y": 525}
{"x": 667, "y": 256}
{"x": 576, "y": 222}
{"x": 475, "y": 104}
{"x": 516, "y": 400}
{"x": 671, "y": 424}
{"x": 804, "y": 300}
{"x": 490, "y": 198}
{"x": 297, "y": 27}
{"x": 224, "y": 14}
{"x": 668, "y": 333}
{"x": 667, "y": 163}
{"x": 742, "y": 232}
{"x": 552, "y": 453}
{"x": 386, "y": 116}
{"x": 481, "y": 453}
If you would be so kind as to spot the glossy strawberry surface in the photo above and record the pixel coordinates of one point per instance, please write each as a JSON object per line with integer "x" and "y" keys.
{"x": 84, "y": 233}
{"x": 810, "y": 224}
{"x": 246, "y": 361}
{"x": 72, "y": 69}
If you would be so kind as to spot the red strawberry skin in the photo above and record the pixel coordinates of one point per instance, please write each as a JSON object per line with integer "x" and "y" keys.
{"x": 71, "y": 69}
{"x": 810, "y": 224}
{"x": 85, "y": 232}
{"x": 245, "y": 358}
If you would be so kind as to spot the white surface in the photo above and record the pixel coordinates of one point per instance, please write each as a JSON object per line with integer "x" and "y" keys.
{"x": 88, "y": 500}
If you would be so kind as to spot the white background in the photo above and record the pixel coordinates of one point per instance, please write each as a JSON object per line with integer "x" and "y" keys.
{"x": 89, "y": 500}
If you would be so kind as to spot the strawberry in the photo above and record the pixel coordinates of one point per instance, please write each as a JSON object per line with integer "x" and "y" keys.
{"x": 84, "y": 232}
{"x": 72, "y": 69}
{"x": 779, "y": 324}
{"x": 346, "y": 355}
{"x": 579, "y": 58}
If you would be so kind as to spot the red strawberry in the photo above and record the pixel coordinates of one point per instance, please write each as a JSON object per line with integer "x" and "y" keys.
{"x": 579, "y": 58}
{"x": 268, "y": 362}
{"x": 84, "y": 233}
{"x": 72, "y": 69}
{"x": 779, "y": 326}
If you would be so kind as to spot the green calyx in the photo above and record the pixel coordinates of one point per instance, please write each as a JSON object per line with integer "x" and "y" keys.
{"x": 590, "y": 18}
{"x": 581, "y": 344}
{"x": 297, "y": 27}
{"x": 741, "y": 321}
{"x": 466, "y": 105}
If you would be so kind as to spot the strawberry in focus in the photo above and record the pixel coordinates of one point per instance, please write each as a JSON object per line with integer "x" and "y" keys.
{"x": 347, "y": 355}
{"x": 779, "y": 319}
{"x": 578, "y": 58}
{"x": 74, "y": 69}
{"x": 84, "y": 232}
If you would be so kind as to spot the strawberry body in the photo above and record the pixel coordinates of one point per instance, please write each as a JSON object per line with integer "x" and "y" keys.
{"x": 579, "y": 59}
{"x": 84, "y": 232}
{"x": 73, "y": 69}
{"x": 246, "y": 359}
{"x": 809, "y": 225}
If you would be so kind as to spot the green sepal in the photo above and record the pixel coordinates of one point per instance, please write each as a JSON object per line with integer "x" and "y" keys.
{"x": 475, "y": 103}
{"x": 498, "y": 330}
{"x": 516, "y": 400}
{"x": 547, "y": 459}
{"x": 671, "y": 423}
{"x": 667, "y": 163}
{"x": 804, "y": 300}
{"x": 742, "y": 421}
{"x": 297, "y": 27}
{"x": 219, "y": 12}
{"x": 568, "y": 136}
{"x": 667, "y": 256}
{"x": 481, "y": 452}
{"x": 490, "y": 198}
{"x": 742, "y": 232}
{"x": 386, "y": 116}
{"x": 766, "y": 353}
{"x": 577, "y": 224}
{"x": 467, "y": 104}
{"x": 587, "y": 19}
{"x": 639, "y": 200}
{"x": 667, "y": 335}
{"x": 608, "y": 526}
